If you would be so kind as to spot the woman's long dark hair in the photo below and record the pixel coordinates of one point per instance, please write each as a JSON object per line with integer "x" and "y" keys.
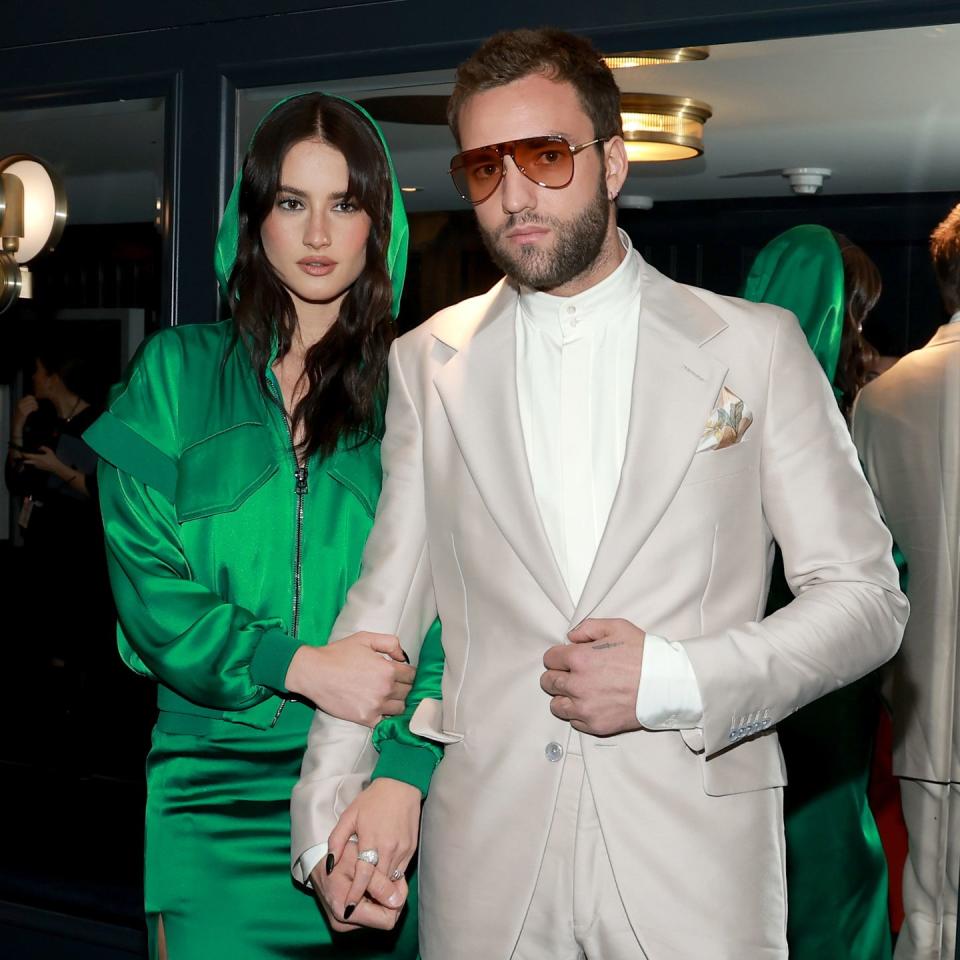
{"x": 345, "y": 369}
{"x": 861, "y": 288}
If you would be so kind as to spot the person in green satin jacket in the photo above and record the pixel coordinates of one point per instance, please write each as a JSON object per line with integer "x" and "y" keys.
{"x": 239, "y": 477}
{"x": 836, "y": 871}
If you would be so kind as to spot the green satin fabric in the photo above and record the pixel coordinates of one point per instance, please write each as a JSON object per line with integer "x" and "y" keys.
{"x": 200, "y": 517}
{"x": 202, "y": 566}
{"x": 836, "y": 870}
{"x": 802, "y": 271}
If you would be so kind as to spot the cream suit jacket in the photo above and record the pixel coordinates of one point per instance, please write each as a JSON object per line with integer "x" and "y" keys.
{"x": 907, "y": 429}
{"x": 693, "y": 822}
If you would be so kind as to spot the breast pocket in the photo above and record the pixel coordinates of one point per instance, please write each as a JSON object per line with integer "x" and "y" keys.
{"x": 217, "y": 474}
{"x": 716, "y": 464}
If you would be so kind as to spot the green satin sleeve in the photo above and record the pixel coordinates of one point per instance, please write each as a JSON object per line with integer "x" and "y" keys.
{"x": 403, "y": 755}
{"x": 213, "y": 653}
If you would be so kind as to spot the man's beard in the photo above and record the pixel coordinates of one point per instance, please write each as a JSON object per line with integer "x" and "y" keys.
{"x": 577, "y": 245}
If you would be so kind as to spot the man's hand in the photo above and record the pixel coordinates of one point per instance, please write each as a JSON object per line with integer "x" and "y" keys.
{"x": 381, "y": 912}
{"x": 593, "y": 680}
{"x": 361, "y": 678}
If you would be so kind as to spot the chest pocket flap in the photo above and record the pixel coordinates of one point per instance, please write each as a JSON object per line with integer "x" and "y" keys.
{"x": 217, "y": 474}
{"x": 359, "y": 470}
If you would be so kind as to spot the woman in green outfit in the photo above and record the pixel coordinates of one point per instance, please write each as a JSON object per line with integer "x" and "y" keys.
{"x": 836, "y": 871}
{"x": 240, "y": 473}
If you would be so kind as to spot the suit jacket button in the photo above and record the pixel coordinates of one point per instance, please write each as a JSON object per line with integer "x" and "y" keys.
{"x": 553, "y": 752}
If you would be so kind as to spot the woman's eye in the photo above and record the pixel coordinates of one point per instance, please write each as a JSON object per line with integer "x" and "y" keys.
{"x": 289, "y": 203}
{"x": 346, "y": 206}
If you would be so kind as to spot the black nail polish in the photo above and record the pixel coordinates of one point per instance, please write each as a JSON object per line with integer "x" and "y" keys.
{"x": 349, "y": 911}
{"x": 406, "y": 659}
{"x": 329, "y": 865}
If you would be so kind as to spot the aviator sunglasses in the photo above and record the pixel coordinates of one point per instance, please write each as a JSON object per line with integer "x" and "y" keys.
{"x": 547, "y": 161}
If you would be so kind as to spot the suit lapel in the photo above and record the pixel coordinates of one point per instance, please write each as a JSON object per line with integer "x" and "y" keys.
{"x": 676, "y": 385}
{"x": 478, "y": 390}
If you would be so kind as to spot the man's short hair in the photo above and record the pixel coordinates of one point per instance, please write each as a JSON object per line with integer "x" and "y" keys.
{"x": 945, "y": 254}
{"x": 560, "y": 56}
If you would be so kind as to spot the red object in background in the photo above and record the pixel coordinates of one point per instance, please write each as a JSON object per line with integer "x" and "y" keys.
{"x": 884, "y": 796}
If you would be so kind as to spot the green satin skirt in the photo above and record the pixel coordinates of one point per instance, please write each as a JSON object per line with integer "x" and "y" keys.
{"x": 218, "y": 850}
{"x": 836, "y": 871}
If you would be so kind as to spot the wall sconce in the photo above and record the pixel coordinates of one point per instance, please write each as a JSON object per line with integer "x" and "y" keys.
{"x": 33, "y": 213}
{"x": 658, "y": 127}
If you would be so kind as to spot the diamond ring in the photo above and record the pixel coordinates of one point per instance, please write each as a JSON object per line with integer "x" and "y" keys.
{"x": 369, "y": 856}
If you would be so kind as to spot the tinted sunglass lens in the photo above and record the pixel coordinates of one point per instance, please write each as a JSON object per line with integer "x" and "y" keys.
{"x": 545, "y": 160}
{"x": 476, "y": 173}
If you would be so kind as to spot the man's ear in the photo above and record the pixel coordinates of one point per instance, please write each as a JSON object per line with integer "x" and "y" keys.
{"x": 616, "y": 166}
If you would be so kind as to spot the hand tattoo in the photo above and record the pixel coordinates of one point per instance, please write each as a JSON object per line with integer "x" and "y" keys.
{"x": 608, "y": 645}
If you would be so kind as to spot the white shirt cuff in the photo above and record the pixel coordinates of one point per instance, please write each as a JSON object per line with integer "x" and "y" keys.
{"x": 309, "y": 860}
{"x": 668, "y": 697}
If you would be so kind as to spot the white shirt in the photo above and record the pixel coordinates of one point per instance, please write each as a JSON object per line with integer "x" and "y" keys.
{"x": 955, "y": 318}
{"x": 575, "y": 366}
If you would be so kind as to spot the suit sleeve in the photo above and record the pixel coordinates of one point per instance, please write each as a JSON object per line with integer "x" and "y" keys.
{"x": 848, "y": 614}
{"x": 393, "y": 595}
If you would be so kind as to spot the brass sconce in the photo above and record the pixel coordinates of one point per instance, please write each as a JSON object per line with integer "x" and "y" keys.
{"x": 33, "y": 213}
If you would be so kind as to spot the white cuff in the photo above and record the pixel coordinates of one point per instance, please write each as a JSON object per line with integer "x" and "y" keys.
{"x": 308, "y": 862}
{"x": 668, "y": 697}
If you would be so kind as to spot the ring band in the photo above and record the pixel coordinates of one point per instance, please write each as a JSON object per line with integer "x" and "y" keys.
{"x": 353, "y": 838}
{"x": 396, "y": 875}
{"x": 369, "y": 856}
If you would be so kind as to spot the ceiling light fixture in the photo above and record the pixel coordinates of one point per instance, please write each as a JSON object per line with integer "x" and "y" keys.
{"x": 33, "y": 213}
{"x": 658, "y": 127}
{"x": 650, "y": 58}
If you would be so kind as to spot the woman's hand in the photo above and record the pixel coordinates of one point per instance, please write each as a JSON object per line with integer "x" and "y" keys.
{"x": 24, "y": 407}
{"x": 361, "y": 678}
{"x": 385, "y": 818}
{"x": 47, "y": 461}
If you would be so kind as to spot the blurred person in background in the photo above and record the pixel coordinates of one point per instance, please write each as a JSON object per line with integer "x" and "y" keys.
{"x": 907, "y": 428}
{"x": 836, "y": 871}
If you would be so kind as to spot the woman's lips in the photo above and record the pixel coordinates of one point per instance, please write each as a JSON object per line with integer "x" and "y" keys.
{"x": 316, "y": 266}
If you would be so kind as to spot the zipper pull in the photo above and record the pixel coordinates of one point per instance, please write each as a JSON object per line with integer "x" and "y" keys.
{"x": 276, "y": 716}
{"x": 301, "y": 480}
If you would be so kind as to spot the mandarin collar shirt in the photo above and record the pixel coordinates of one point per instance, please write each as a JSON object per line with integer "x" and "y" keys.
{"x": 576, "y": 358}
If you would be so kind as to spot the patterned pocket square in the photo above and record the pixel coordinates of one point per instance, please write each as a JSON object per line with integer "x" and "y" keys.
{"x": 727, "y": 424}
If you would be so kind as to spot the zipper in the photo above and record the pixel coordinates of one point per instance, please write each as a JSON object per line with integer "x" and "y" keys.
{"x": 300, "y": 488}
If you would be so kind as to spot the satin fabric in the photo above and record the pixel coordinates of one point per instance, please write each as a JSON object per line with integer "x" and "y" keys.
{"x": 204, "y": 526}
{"x": 836, "y": 870}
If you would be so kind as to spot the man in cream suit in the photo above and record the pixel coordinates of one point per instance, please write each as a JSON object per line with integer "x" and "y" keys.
{"x": 585, "y": 470}
{"x": 907, "y": 428}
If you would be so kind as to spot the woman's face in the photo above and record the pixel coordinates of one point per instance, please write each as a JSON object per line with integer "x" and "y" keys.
{"x": 315, "y": 237}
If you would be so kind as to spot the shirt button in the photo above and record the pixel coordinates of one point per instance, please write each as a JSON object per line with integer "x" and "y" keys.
{"x": 571, "y": 310}
{"x": 553, "y": 752}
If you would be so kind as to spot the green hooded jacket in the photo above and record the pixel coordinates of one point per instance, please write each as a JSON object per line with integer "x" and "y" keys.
{"x": 222, "y": 560}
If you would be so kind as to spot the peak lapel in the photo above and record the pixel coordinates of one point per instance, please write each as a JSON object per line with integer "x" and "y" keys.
{"x": 675, "y": 388}
{"x": 478, "y": 390}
